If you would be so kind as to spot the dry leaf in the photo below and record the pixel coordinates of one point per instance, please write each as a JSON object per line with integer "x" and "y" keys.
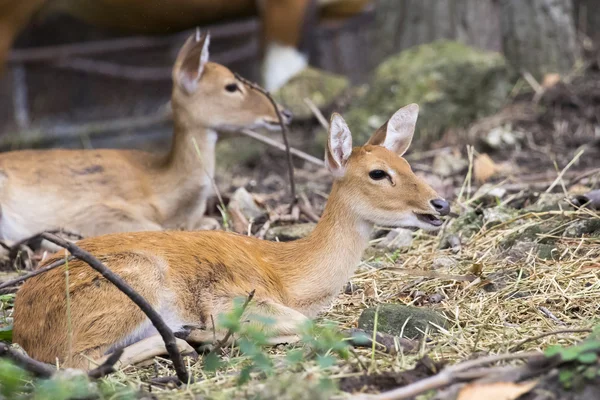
{"x": 495, "y": 391}
{"x": 550, "y": 80}
{"x": 484, "y": 168}
{"x": 239, "y": 221}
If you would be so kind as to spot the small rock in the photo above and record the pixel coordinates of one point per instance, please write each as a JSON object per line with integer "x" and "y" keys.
{"x": 496, "y": 215}
{"x": 549, "y": 202}
{"x": 436, "y": 298}
{"x": 392, "y": 317}
{"x": 397, "y": 238}
{"x": 452, "y": 242}
{"x": 502, "y": 138}
{"x": 490, "y": 191}
{"x": 443, "y": 262}
{"x": 246, "y": 205}
{"x": 379, "y": 232}
{"x": 589, "y": 200}
{"x": 582, "y": 227}
{"x": 520, "y": 251}
{"x": 350, "y": 288}
{"x": 417, "y": 294}
{"x": 547, "y": 252}
{"x": 287, "y": 233}
{"x": 447, "y": 164}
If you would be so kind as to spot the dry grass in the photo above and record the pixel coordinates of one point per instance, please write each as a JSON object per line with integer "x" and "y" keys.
{"x": 493, "y": 298}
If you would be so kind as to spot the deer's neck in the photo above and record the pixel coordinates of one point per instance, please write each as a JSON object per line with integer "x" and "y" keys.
{"x": 330, "y": 255}
{"x": 192, "y": 149}
{"x": 186, "y": 172}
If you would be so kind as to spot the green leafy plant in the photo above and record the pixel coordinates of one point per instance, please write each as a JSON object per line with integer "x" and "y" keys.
{"x": 323, "y": 344}
{"x": 579, "y": 363}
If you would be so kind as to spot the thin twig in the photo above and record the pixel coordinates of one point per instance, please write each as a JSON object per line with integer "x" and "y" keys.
{"x": 283, "y": 132}
{"x": 318, "y": 114}
{"x": 549, "y": 314}
{"x": 446, "y": 377}
{"x": 223, "y": 342}
{"x": 561, "y": 174}
{"x": 274, "y": 143}
{"x": 108, "y": 366}
{"x": 545, "y": 334}
{"x": 37, "y": 368}
{"x": 47, "y": 268}
{"x": 163, "y": 329}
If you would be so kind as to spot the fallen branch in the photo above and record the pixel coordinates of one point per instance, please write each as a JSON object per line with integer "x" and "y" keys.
{"x": 37, "y": 368}
{"x": 446, "y": 377}
{"x": 273, "y": 143}
{"x": 108, "y": 366}
{"x": 163, "y": 329}
{"x": 283, "y": 132}
{"x": 545, "y": 334}
{"x": 223, "y": 342}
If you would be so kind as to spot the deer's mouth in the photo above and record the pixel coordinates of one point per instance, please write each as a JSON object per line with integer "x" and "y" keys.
{"x": 429, "y": 219}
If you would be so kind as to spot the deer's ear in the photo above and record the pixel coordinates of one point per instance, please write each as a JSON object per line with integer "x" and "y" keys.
{"x": 397, "y": 133}
{"x": 339, "y": 146}
{"x": 190, "y": 62}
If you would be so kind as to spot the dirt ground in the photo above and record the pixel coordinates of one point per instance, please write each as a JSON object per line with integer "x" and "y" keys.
{"x": 515, "y": 260}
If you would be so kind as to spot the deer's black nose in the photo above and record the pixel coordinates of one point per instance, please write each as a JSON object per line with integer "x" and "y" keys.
{"x": 441, "y": 206}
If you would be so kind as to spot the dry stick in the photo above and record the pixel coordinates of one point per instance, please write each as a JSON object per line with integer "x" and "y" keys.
{"x": 163, "y": 329}
{"x": 446, "y": 377}
{"x": 47, "y": 268}
{"x": 283, "y": 132}
{"x": 273, "y": 143}
{"x": 29, "y": 364}
{"x": 223, "y": 342}
{"x": 318, "y": 114}
{"x": 543, "y": 335}
{"x": 108, "y": 366}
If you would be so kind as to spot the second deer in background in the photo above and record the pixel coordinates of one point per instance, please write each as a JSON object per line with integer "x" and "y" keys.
{"x": 94, "y": 192}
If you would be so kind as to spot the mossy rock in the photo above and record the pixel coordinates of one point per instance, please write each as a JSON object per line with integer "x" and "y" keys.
{"x": 548, "y": 202}
{"x": 392, "y": 317}
{"x": 454, "y": 84}
{"x": 239, "y": 150}
{"x": 467, "y": 224}
{"x": 322, "y": 88}
{"x": 589, "y": 226}
{"x": 532, "y": 234}
{"x": 547, "y": 252}
{"x": 287, "y": 233}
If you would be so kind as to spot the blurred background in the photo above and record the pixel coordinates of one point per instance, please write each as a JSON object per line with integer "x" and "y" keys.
{"x": 518, "y": 79}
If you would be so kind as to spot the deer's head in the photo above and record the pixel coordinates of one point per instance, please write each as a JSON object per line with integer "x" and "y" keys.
{"x": 211, "y": 96}
{"x": 376, "y": 182}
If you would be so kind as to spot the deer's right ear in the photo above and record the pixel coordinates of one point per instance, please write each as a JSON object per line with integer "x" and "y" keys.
{"x": 339, "y": 146}
{"x": 397, "y": 133}
{"x": 190, "y": 62}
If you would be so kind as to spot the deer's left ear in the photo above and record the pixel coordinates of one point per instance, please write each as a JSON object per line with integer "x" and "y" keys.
{"x": 191, "y": 60}
{"x": 397, "y": 133}
{"x": 339, "y": 146}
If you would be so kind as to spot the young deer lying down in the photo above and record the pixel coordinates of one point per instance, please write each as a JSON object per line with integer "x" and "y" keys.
{"x": 93, "y": 192}
{"x": 190, "y": 276}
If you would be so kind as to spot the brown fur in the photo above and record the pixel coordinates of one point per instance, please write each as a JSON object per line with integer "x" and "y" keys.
{"x": 94, "y": 192}
{"x": 190, "y": 276}
{"x": 282, "y": 19}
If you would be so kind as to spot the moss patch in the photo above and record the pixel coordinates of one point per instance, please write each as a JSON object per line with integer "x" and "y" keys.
{"x": 453, "y": 84}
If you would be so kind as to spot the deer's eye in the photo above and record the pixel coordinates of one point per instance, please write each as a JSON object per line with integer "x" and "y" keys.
{"x": 377, "y": 174}
{"x": 232, "y": 87}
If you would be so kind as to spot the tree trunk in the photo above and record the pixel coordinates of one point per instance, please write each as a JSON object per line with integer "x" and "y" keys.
{"x": 539, "y": 35}
{"x": 406, "y": 23}
{"x": 587, "y": 21}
